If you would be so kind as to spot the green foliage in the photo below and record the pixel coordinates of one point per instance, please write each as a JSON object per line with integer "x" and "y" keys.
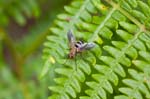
{"x": 18, "y": 10}
{"x": 20, "y": 54}
{"x": 118, "y": 67}
{"x": 11, "y": 88}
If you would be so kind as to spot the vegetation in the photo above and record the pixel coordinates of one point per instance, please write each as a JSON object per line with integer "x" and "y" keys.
{"x": 116, "y": 68}
{"x": 23, "y": 28}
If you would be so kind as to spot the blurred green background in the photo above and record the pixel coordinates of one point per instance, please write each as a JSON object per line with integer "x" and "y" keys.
{"x": 24, "y": 25}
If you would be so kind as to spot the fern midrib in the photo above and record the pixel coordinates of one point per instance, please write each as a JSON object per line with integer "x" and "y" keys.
{"x": 128, "y": 15}
{"x": 127, "y": 47}
{"x": 124, "y": 49}
{"x": 67, "y": 83}
{"x": 76, "y": 17}
{"x": 133, "y": 93}
{"x": 135, "y": 89}
{"x": 101, "y": 25}
{"x": 72, "y": 23}
{"x": 98, "y": 87}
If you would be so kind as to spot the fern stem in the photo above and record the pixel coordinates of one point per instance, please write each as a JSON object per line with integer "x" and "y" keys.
{"x": 101, "y": 25}
{"x": 17, "y": 69}
{"x": 76, "y": 17}
{"x": 129, "y": 44}
{"x": 17, "y": 63}
{"x": 67, "y": 83}
{"x": 129, "y": 16}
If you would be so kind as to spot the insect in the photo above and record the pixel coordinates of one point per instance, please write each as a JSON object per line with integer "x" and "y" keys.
{"x": 77, "y": 46}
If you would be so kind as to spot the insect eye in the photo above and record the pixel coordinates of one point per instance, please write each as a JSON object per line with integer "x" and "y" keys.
{"x": 76, "y": 45}
{"x": 80, "y": 42}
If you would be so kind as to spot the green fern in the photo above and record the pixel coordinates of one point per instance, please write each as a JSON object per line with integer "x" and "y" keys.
{"x": 118, "y": 67}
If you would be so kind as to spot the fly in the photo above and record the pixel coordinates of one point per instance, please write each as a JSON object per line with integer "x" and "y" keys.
{"x": 77, "y": 46}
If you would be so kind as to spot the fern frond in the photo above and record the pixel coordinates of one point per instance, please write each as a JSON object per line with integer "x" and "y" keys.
{"x": 121, "y": 33}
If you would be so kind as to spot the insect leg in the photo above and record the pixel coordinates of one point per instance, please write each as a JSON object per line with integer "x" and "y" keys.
{"x": 81, "y": 55}
{"x": 75, "y": 63}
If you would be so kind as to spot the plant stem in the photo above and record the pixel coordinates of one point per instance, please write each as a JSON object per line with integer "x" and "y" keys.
{"x": 18, "y": 62}
{"x": 17, "y": 69}
{"x": 18, "y": 59}
{"x": 128, "y": 15}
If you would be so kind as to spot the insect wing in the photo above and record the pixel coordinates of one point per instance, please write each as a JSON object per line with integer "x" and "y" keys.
{"x": 87, "y": 46}
{"x": 71, "y": 39}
